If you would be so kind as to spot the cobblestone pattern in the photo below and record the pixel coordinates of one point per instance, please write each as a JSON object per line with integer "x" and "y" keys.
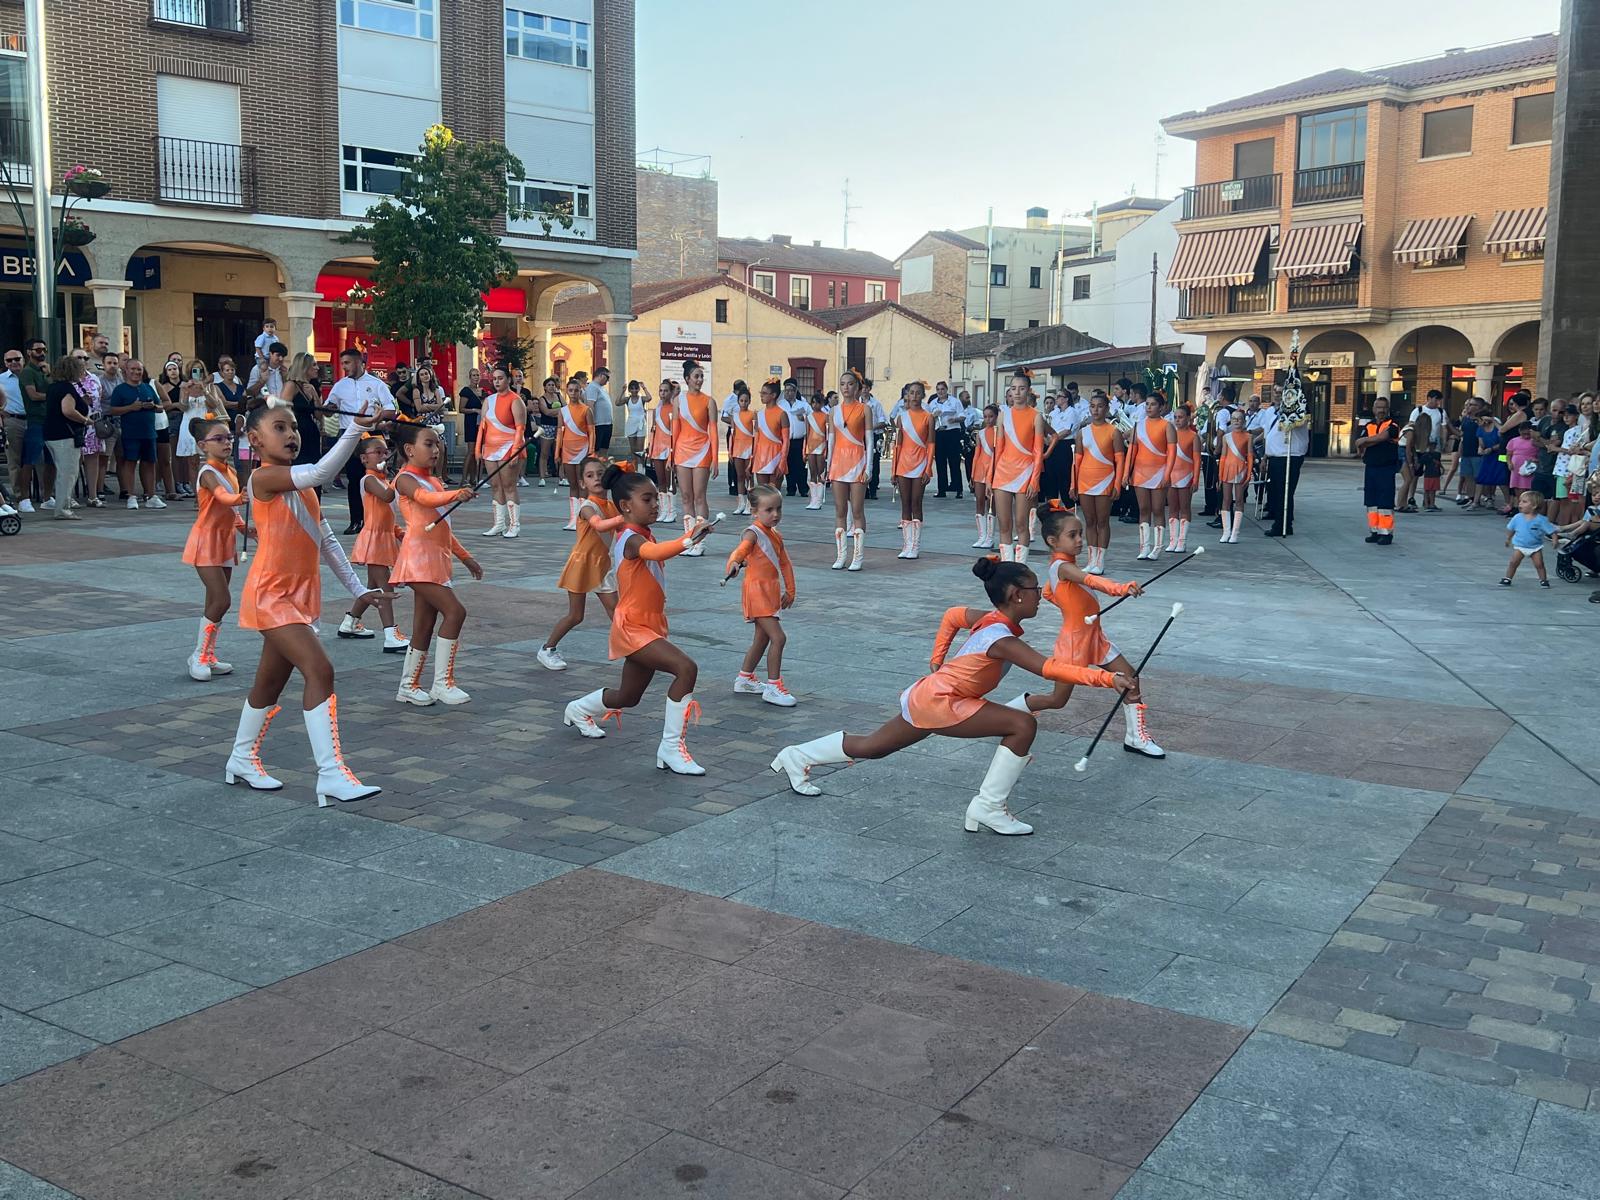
{"x": 1474, "y": 958}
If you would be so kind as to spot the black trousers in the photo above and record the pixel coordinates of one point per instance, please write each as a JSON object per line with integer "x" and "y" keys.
{"x": 353, "y": 475}
{"x": 602, "y": 440}
{"x": 876, "y": 450}
{"x": 1055, "y": 477}
{"x": 797, "y": 467}
{"x": 1213, "y": 505}
{"x": 947, "y": 459}
{"x": 1280, "y": 506}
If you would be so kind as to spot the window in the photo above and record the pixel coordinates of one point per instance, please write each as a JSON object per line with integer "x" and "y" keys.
{"x": 805, "y": 379}
{"x": 1514, "y": 256}
{"x": 1080, "y": 287}
{"x": 830, "y": 294}
{"x": 855, "y": 355}
{"x": 844, "y": 295}
{"x": 722, "y": 312}
{"x": 1253, "y": 159}
{"x": 765, "y": 282}
{"x": 800, "y": 291}
{"x": 1447, "y": 131}
{"x": 221, "y": 16}
{"x": 874, "y": 292}
{"x": 1532, "y": 118}
{"x": 14, "y": 118}
{"x": 1033, "y": 324}
{"x": 531, "y": 197}
{"x": 997, "y": 275}
{"x": 376, "y": 171}
{"x": 1034, "y": 276}
{"x": 1329, "y": 139}
{"x": 996, "y": 324}
{"x": 408, "y": 18}
{"x": 546, "y": 39}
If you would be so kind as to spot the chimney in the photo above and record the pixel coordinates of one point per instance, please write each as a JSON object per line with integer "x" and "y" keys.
{"x": 817, "y": 242}
{"x": 1038, "y": 218}
{"x": 780, "y": 239}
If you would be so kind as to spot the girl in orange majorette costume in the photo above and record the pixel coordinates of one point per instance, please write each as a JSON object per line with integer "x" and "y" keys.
{"x": 502, "y": 435}
{"x": 376, "y": 546}
{"x": 768, "y": 589}
{"x": 1182, "y": 475}
{"x": 984, "y": 446}
{"x": 1018, "y": 461}
{"x": 772, "y": 437}
{"x": 741, "y": 445}
{"x": 1096, "y": 476}
{"x": 913, "y": 461}
{"x": 212, "y": 548}
{"x": 850, "y": 430}
{"x": 816, "y": 452}
{"x": 588, "y": 567}
{"x": 1147, "y": 470}
{"x": 1236, "y": 465}
{"x": 574, "y": 443}
{"x": 660, "y": 450}
{"x": 694, "y": 449}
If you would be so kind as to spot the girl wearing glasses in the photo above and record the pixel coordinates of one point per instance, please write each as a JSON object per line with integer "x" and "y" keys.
{"x": 212, "y": 546}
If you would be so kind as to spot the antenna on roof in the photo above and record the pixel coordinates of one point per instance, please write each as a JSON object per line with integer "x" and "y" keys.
{"x": 848, "y": 209}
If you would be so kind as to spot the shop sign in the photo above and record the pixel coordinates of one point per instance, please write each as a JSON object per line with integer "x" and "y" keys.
{"x": 1314, "y": 362}
{"x": 681, "y": 340}
{"x": 1233, "y": 189}
{"x": 17, "y": 266}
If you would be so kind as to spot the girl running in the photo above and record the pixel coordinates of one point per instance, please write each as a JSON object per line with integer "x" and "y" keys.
{"x": 913, "y": 459}
{"x": 1019, "y": 457}
{"x": 376, "y": 546}
{"x": 694, "y": 450}
{"x": 283, "y": 597}
{"x": 1147, "y": 470}
{"x": 741, "y": 447}
{"x": 501, "y": 435}
{"x": 768, "y": 587}
{"x": 849, "y": 434}
{"x": 817, "y": 451}
{"x": 952, "y": 700}
{"x": 661, "y": 449}
{"x": 639, "y": 622}
{"x": 1182, "y": 474}
{"x": 772, "y": 437}
{"x": 424, "y": 564}
{"x": 1096, "y": 476}
{"x": 1236, "y": 466}
{"x": 982, "y": 473}
{"x": 574, "y": 444}
{"x": 588, "y": 567}
{"x": 1084, "y": 644}
{"x": 212, "y": 542}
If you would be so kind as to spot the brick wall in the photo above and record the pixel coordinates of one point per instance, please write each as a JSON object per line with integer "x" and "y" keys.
{"x": 614, "y": 148}
{"x": 472, "y": 72}
{"x": 946, "y": 303}
{"x": 677, "y": 227}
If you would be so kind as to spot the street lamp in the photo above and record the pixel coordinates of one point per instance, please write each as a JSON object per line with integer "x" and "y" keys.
{"x": 44, "y": 261}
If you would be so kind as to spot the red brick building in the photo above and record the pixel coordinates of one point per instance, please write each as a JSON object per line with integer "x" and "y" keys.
{"x": 809, "y": 277}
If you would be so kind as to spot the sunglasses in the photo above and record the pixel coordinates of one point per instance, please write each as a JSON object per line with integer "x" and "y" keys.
{"x": 217, "y": 437}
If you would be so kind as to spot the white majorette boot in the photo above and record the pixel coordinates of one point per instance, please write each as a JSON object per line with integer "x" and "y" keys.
{"x": 411, "y": 689}
{"x": 585, "y": 714}
{"x": 1144, "y": 540}
{"x": 694, "y": 551}
{"x": 1157, "y": 533}
{"x": 499, "y": 525}
{"x": 1238, "y": 520}
{"x": 815, "y": 502}
{"x": 1137, "y": 740}
{"x": 350, "y": 627}
{"x": 394, "y": 642}
{"x": 513, "y": 521}
{"x": 859, "y": 559}
{"x": 983, "y": 532}
{"x": 1020, "y": 703}
{"x": 444, "y": 688}
{"x": 673, "y": 752}
{"x": 905, "y": 540}
{"x": 1005, "y": 551}
{"x": 916, "y": 540}
{"x": 839, "y": 545}
{"x": 572, "y": 515}
{"x": 244, "y": 764}
{"x": 1227, "y": 523}
{"x": 994, "y": 531}
{"x": 218, "y": 667}
{"x": 335, "y": 781}
{"x": 198, "y": 670}
{"x": 1033, "y": 524}
{"x": 1172, "y": 535}
{"x": 1019, "y": 552}
{"x": 990, "y": 808}
{"x": 796, "y": 761}
{"x": 1181, "y": 546}
{"x": 667, "y": 512}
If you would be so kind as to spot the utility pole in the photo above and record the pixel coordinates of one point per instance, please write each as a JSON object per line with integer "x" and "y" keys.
{"x": 988, "y": 270}
{"x": 44, "y": 250}
{"x": 1154, "y": 271}
{"x": 848, "y": 209}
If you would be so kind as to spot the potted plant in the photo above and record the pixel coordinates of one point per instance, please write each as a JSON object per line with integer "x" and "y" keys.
{"x": 87, "y": 182}
{"x": 75, "y": 233}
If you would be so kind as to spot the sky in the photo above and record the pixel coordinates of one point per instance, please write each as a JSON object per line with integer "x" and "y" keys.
{"x": 936, "y": 111}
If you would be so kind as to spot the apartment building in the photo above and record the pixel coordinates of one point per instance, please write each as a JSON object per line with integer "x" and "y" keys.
{"x": 1395, "y": 217}
{"x": 243, "y": 139}
{"x": 808, "y": 277}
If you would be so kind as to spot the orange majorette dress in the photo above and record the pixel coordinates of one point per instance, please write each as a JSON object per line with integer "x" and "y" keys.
{"x": 767, "y": 564}
{"x": 983, "y": 456}
{"x": 1078, "y": 643}
{"x": 498, "y": 434}
{"x": 772, "y": 440}
{"x": 576, "y": 438}
{"x": 913, "y": 449}
{"x": 1020, "y": 451}
{"x": 641, "y": 613}
{"x": 1185, "y": 454}
{"x": 1237, "y": 461}
{"x": 744, "y": 434}
{"x": 588, "y": 567}
{"x": 284, "y": 586}
{"x": 847, "y": 443}
{"x": 213, "y": 540}
{"x": 426, "y": 556}
{"x": 379, "y": 539}
{"x": 661, "y": 433}
{"x": 816, "y": 431}
{"x": 1097, "y": 464}
{"x": 1152, "y": 453}
{"x": 694, "y": 444}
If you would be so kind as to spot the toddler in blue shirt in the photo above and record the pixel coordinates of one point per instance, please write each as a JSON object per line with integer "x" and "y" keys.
{"x": 1526, "y": 533}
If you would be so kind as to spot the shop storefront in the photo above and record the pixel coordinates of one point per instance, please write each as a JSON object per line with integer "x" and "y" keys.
{"x": 75, "y": 310}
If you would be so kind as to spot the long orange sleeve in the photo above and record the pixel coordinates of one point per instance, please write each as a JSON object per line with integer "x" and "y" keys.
{"x": 661, "y": 551}
{"x": 432, "y": 499}
{"x": 1110, "y": 587}
{"x": 1064, "y": 672}
{"x": 607, "y": 524}
{"x": 786, "y": 568}
{"x": 741, "y": 552}
{"x": 458, "y": 549}
{"x": 954, "y": 620}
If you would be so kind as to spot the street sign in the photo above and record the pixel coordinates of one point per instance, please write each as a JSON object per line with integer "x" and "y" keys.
{"x": 17, "y": 266}
{"x": 1233, "y": 189}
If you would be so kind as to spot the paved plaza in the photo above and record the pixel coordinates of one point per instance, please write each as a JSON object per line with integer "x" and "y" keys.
{"x": 1340, "y": 945}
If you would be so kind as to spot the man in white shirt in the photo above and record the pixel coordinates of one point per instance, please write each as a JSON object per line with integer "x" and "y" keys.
{"x": 359, "y": 391}
{"x": 1221, "y": 419}
{"x": 1286, "y": 453}
{"x": 597, "y": 395}
{"x": 1428, "y": 457}
{"x": 16, "y": 424}
{"x": 725, "y": 417}
{"x": 1056, "y": 476}
{"x": 949, "y": 416}
{"x": 875, "y": 442}
{"x": 266, "y": 378}
{"x": 795, "y": 405}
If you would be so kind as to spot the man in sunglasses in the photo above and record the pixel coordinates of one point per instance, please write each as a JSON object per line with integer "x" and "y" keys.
{"x": 16, "y": 427}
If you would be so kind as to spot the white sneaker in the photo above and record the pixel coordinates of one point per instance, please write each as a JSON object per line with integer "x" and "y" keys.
{"x": 6, "y": 510}
{"x": 48, "y": 505}
{"x": 523, "y": 482}
{"x": 550, "y": 659}
{"x": 541, "y": 481}
{"x": 133, "y": 502}
{"x": 25, "y": 507}
{"x": 746, "y": 685}
{"x": 773, "y": 692}
{"x": 155, "y": 502}
{"x": 352, "y": 628}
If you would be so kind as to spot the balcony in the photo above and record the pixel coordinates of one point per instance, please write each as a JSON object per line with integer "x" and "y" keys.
{"x": 1343, "y": 292}
{"x": 1232, "y": 196}
{"x": 1204, "y": 304}
{"x": 1346, "y": 181}
{"x": 228, "y": 17}
{"x": 14, "y": 151}
{"x": 212, "y": 173}
{"x": 1252, "y": 297}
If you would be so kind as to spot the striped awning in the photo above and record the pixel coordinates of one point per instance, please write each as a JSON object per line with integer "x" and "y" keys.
{"x": 1516, "y": 229}
{"x": 1432, "y": 239}
{"x": 1217, "y": 257}
{"x": 1313, "y": 250}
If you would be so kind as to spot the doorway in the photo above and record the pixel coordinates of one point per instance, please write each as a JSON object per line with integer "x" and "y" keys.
{"x": 227, "y": 325}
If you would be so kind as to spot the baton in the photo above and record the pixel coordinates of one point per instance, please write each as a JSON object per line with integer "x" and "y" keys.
{"x": 477, "y": 487}
{"x": 1083, "y": 763}
{"x": 1196, "y": 553}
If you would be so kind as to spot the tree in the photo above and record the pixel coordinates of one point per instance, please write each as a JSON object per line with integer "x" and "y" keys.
{"x": 434, "y": 240}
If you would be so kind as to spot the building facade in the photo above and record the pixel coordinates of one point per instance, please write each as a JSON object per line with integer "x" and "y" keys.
{"x": 808, "y": 277}
{"x": 934, "y": 274}
{"x": 248, "y": 138}
{"x": 1394, "y": 217}
{"x": 1109, "y": 295}
{"x": 677, "y": 226}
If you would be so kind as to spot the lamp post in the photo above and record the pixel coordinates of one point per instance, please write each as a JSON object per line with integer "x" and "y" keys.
{"x": 44, "y": 260}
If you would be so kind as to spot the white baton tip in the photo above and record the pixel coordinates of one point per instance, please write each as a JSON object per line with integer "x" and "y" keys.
{"x": 1177, "y": 610}
{"x": 1081, "y": 765}
{"x": 720, "y": 516}
{"x": 1199, "y": 550}
{"x": 1091, "y": 618}
{"x": 428, "y": 528}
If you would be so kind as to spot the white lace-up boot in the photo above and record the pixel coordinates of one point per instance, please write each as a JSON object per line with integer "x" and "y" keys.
{"x": 796, "y": 761}
{"x": 244, "y": 764}
{"x": 673, "y": 752}
{"x": 335, "y": 781}
{"x": 990, "y": 808}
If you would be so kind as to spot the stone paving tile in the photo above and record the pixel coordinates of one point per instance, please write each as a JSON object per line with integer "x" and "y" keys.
{"x": 103, "y": 898}
{"x": 44, "y": 962}
{"x": 247, "y": 942}
{"x": 27, "y": 1045}
{"x": 679, "y": 1165}
{"x": 143, "y": 1002}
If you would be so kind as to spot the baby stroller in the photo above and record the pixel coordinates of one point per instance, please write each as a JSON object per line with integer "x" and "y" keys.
{"x": 1581, "y": 553}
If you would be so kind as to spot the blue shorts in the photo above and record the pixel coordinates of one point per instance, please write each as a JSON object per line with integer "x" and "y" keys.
{"x": 33, "y": 444}
{"x": 138, "y": 449}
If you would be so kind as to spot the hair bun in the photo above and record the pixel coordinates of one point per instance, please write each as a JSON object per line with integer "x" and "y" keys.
{"x": 613, "y": 473}
{"x": 985, "y": 568}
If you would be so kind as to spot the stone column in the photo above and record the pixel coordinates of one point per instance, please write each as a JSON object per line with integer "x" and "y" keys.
{"x": 540, "y": 366}
{"x": 1383, "y": 378}
{"x": 617, "y": 352}
{"x": 302, "y": 307}
{"x": 1483, "y": 379}
{"x": 110, "y": 302}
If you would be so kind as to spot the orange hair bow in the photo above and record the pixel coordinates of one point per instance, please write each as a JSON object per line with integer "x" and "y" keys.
{"x": 1056, "y": 506}
{"x": 856, "y": 371}
{"x": 625, "y": 464}
{"x": 774, "y": 381}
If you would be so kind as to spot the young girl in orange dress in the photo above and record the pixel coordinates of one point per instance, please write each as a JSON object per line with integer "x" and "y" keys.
{"x": 661, "y": 448}
{"x": 1019, "y": 458}
{"x": 772, "y": 436}
{"x": 588, "y": 567}
{"x": 212, "y": 546}
{"x": 425, "y": 563}
{"x": 952, "y": 700}
{"x": 1084, "y": 643}
{"x": 502, "y": 434}
{"x": 283, "y": 598}
{"x": 1236, "y": 465}
{"x": 1181, "y": 478}
{"x": 817, "y": 451}
{"x": 694, "y": 449}
{"x": 574, "y": 443}
{"x": 742, "y": 446}
{"x": 850, "y": 427}
{"x": 1147, "y": 470}
{"x": 1096, "y": 476}
{"x": 639, "y": 624}
{"x": 984, "y": 444}
{"x": 913, "y": 460}
{"x": 376, "y": 546}
{"x": 768, "y": 588}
